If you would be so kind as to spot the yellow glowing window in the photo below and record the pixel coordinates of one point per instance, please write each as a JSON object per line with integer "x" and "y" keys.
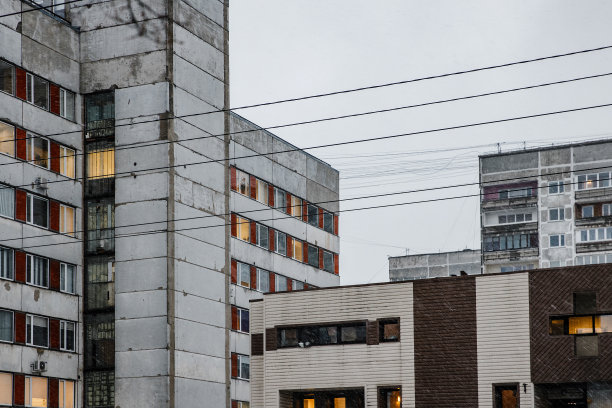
{"x": 244, "y": 228}
{"x": 298, "y": 250}
{"x": 36, "y": 392}
{"x": 67, "y": 220}
{"x": 581, "y": 325}
{"x": 66, "y": 394}
{"x": 309, "y": 403}
{"x": 296, "y": 207}
{"x": 340, "y": 402}
{"x": 6, "y": 388}
{"x": 7, "y": 138}
{"x": 101, "y": 164}
{"x": 603, "y": 324}
{"x": 67, "y": 162}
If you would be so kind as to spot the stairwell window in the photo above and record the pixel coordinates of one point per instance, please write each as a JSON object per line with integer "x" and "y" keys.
{"x": 37, "y": 211}
{"x": 556, "y": 214}
{"x": 37, "y": 271}
{"x": 555, "y": 187}
{"x": 37, "y": 150}
{"x": 6, "y": 263}
{"x": 37, "y": 331}
{"x": 37, "y": 91}
{"x": 7, "y": 137}
{"x": 6, "y": 331}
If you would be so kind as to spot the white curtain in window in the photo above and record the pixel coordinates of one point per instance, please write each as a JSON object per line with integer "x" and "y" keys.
{"x": 6, "y": 263}
{"x": 7, "y": 202}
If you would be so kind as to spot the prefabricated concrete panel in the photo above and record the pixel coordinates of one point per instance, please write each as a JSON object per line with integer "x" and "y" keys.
{"x": 51, "y": 33}
{"x": 510, "y": 162}
{"x": 555, "y": 157}
{"x": 200, "y": 25}
{"x": 10, "y": 44}
{"x": 49, "y": 64}
{"x": 592, "y": 152}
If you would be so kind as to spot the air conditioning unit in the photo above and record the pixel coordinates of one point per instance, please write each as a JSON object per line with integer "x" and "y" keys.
{"x": 41, "y": 183}
{"x": 39, "y": 366}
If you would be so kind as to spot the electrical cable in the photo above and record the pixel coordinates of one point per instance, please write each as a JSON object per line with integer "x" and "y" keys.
{"x": 35, "y": 8}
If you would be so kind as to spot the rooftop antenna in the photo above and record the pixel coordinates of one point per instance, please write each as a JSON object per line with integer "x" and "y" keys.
{"x": 498, "y": 147}
{"x": 524, "y": 145}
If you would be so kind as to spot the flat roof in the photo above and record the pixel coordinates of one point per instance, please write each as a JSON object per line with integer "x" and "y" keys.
{"x": 461, "y": 251}
{"x": 552, "y": 147}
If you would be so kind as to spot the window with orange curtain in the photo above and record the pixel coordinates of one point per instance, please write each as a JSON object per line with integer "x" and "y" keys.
{"x": 581, "y": 325}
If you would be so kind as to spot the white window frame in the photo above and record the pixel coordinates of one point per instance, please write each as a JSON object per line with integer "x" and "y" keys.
{"x": 12, "y": 77}
{"x": 30, "y": 204}
{"x": 64, "y": 338}
{"x": 277, "y": 239}
{"x": 63, "y": 217}
{"x": 260, "y": 273}
{"x": 11, "y": 384}
{"x": 240, "y": 224}
{"x": 62, "y": 387}
{"x": 5, "y": 142}
{"x": 592, "y": 211}
{"x": 240, "y": 267}
{"x": 295, "y": 207}
{"x": 261, "y": 192}
{"x": 559, "y": 214}
{"x": 239, "y": 360}
{"x": 240, "y": 174}
{"x": 11, "y": 263}
{"x": 560, "y": 239}
{"x": 67, "y": 153}
{"x": 30, "y": 137}
{"x": 594, "y": 234}
{"x": 277, "y": 280}
{"x": 5, "y": 187}
{"x": 30, "y": 83}
{"x": 30, "y": 270}
{"x": 606, "y": 209}
{"x": 28, "y": 386}
{"x": 278, "y": 192}
{"x": 558, "y": 185}
{"x": 295, "y": 242}
{"x": 240, "y": 311}
{"x": 12, "y": 326}
{"x": 64, "y": 104}
{"x": 259, "y": 231}
{"x": 64, "y": 267}
{"x": 31, "y": 318}
{"x": 332, "y": 261}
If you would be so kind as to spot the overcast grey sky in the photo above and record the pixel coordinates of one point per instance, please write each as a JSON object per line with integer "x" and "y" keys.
{"x": 290, "y": 48}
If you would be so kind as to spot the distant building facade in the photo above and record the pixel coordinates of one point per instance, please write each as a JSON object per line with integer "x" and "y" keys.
{"x": 540, "y": 339}
{"x": 443, "y": 264}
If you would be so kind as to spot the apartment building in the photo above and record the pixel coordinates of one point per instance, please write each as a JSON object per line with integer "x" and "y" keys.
{"x": 546, "y": 207}
{"x": 436, "y": 265}
{"x": 138, "y": 215}
{"x": 539, "y": 338}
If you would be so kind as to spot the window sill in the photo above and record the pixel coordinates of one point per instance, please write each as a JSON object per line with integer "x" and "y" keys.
{"x": 241, "y": 379}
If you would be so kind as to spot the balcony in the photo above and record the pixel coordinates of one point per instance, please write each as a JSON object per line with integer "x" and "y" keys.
{"x": 530, "y": 201}
{"x": 593, "y": 195}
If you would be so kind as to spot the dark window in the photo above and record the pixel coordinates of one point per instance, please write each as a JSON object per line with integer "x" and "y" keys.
{"x": 322, "y": 335}
{"x": 37, "y": 91}
{"x": 99, "y": 283}
{"x": 313, "y": 256}
{"x": 328, "y": 261}
{"x": 585, "y": 303}
{"x": 328, "y": 222}
{"x": 7, "y": 77}
{"x": 100, "y": 115}
{"x": 6, "y": 325}
{"x": 388, "y": 330}
{"x": 100, "y": 226}
{"x": 37, "y": 212}
{"x": 353, "y": 334}
{"x": 100, "y": 389}
{"x": 313, "y": 215}
{"x": 506, "y": 396}
{"x": 557, "y": 327}
{"x": 587, "y": 346}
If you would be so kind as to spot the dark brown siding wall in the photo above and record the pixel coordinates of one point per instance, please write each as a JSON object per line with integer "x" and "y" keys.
{"x": 551, "y": 292}
{"x": 445, "y": 343}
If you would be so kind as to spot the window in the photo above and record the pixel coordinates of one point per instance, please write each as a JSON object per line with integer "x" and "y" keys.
{"x": 262, "y": 192}
{"x": 37, "y": 331}
{"x": 99, "y": 388}
{"x": 241, "y": 404}
{"x": 67, "y": 104}
{"x": 514, "y": 218}
{"x": 37, "y": 271}
{"x": 313, "y": 215}
{"x": 36, "y": 392}
{"x": 604, "y": 179}
{"x": 67, "y": 220}
{"x": 280, "y": 199}
{"x": 606, "y": 209}
{"x": 6, "y": 263}
{"x": 7, "y": 77}
{"x": 595, "y": 234}
{"x": 243, "y": 320}
{"x": 388, "y": 330}
{"x": 390, "y": 397}
{"x": 296, "y": 207}
{"x": 263, "y": 280}
{"x": 7, "y": 202}
{"x": 244, "y": 229}
{"x": 100, "y": 115}
{"x": 6, "y": 326}
{"x": 586, "y": 346}
{"x": 322, "y": 335}
{"x": 100, "y": 161}
{"x": 597, "y": 180}
{"x": 243, "y": 367}
{"x": 557, "y": 240}
{"x": 506, "y": 396}
{"x": 353, "y": 334}
{"x": 280, "y": 243}
{"x": 7, "y": 137}
{"x": 67, "y": 336}
{"x": 280, "y": 283}
{"x": 513, "y": 268}
{"x": 297, "y": 285}
{"x": 66, "y": 394}
{"x": 242, "y": 180}
{"x": 100, "y": 225}
{"x": 328, "y": 222}
{"x": 38, "y": 150}
{"x": 328, "y": 261}
{"x": 511, "y": 242}
{"x": 556, "y": 214}
{"x": 585, "y": 302}
{"x": 313, "y": 256}
{"x": 587, "y": 211}
{"x": 515, "y": 192}
{"x": 58, "y": 6}
{"x": 244, "y": 274}
{"x": 555, "y": 187}
{"x": 6, "y": 386}
{"x": 37, "y": 91}
{"x": 298, "y": 250}
{"x": 67, "y": 162}
{"x": 262, "y": 236}
{"x": 67, "y": 278}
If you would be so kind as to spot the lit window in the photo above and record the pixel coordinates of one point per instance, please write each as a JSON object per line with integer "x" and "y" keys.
{"x": 280, "y": 243}
{"x": 263, "y": 280}
{"x": 67, "y": 220}
{"x": 243, "y": 367}
{"x": 67, "y": 162}
{"x": 603, "y": 324}
{"x": 7, "y": 135}
{"x": 243, "y": 183}
{"x": 556, "y": 214}
{"x": 244, "y": 275}
{"x": 280, "y": 200}
{"x": 555, "y": 187}
{"x": 36, "y": 392}
{"x": 280, "y": 283}
{"x": 328, "y": 261}
{"x": 38, "y": 150}
{"x": 298, "y": 250}
{"x": 37, "y": 91}
{"x": 67, "y": 278}
{"x": 66, "y": 394}
{"x": 262, "y": 236}
{"x": 244, "y": 229}
{"x": 242, "y": 404}
{"x": 7, "y": 202}
{"x": 6, "y": 387}
{"x": 67, "y": 104}
{"x": 587, "y": 211}
{"x": 37, "y": 331}
{"x": 313, "y": 215}
{"x": 328, "y": 222}
{"x": 262, "y": 192}
{"x": 6, "y": 263}
{"x": 296, "y": 207}
{"x": 506, "y": 396}
{"x": 7, "y": 77}
{"x": 37, "y": 271}
{"x": 6, "y": 330}
{"x": 67, "y": 336}
{"x": 100, "y": 162}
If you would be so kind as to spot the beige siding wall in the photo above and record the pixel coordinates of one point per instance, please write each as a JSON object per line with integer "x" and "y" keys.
{"x": 356, "y": 365}
{"x": 502, "y": 314}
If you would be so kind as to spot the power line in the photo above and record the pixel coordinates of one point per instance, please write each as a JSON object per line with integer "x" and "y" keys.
{"x": 136, "y": 145}
{"x": 35, "y": 8}
{"x": 132, "y": 173}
